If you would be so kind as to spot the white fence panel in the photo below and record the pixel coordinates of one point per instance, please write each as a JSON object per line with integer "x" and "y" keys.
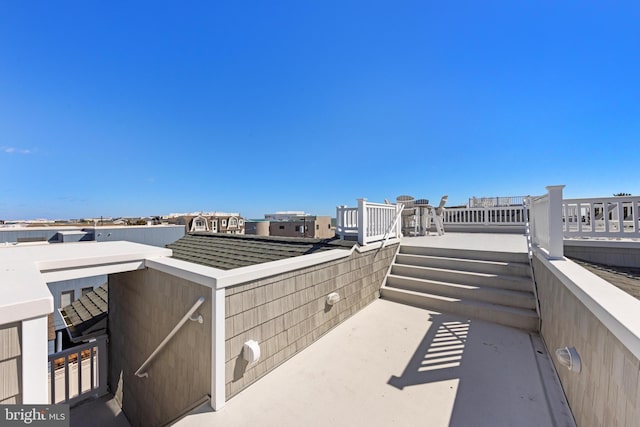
{"x": 601, "y": 217}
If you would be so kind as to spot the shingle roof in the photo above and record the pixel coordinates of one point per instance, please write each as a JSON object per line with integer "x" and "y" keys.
{"x": 229, "y": 251}
{"x": 86, "y": 316}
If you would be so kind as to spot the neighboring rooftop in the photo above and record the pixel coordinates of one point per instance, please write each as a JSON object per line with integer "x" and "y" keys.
{"x": 229, "y": 251}
{"x": 86, "y": 317}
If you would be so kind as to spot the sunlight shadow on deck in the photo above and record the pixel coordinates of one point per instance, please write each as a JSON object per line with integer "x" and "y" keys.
{"x": 440, "y": 351}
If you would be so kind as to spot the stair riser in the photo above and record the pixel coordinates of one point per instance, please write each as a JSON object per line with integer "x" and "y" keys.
{"x": 511, "y": 269}
{"x": 466, "y": 254}
{"x": 461, "y": 277}
{"x": 465, "y": 309}
{"x": 482, "y": 294}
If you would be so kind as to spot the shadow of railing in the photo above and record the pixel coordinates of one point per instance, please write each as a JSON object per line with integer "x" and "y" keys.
{"x": 438, "y": 356}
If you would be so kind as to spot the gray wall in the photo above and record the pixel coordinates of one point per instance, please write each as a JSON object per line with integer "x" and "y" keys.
{"x": 606, "y": 392}
{"x": 601, "y": 253}
{"x": 287, "y": 312}
{"x": 144, "y": 306}
{"x": 154, "y": 235}
{"x": 10, "y": 364}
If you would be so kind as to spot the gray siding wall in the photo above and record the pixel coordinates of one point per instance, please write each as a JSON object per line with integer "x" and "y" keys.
{"x": 144, "y": 306}
{"x": 613, "y": 255}
{"x": 287, "y": 312}
{"x": 10, "y": 364}
{"x": 607, "y": 391}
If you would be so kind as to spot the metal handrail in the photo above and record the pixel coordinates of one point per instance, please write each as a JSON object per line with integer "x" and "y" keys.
{"x": 182, "y": 321}
{"x": 393, "y": 224}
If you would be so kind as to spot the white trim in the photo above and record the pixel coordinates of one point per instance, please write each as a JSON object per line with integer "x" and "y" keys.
{"x": 218, "y": 279}
{"x": 218, "y": 375}
{"x": 604, "y": 243}
{"x": 258, "y": 271}
{"x": 196, "y": 273}
{"x": 616, "y": 309}
{"x": 376, "y": 245}
{"x": 98, "y": 270}
{"x": 35, "y": 383}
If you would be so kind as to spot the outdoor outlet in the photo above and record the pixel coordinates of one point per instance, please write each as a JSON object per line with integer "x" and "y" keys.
{"x": 251, "y": 351}
{"x": 333, "y": 298}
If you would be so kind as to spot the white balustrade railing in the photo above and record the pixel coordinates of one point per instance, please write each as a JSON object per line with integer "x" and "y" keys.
{"x": 346, "y": 221}
{"x": 602, "y": 217}
{"x": 482, "y": 202}
{"x": 370, "y": 222}
{"x": 545, "y": 221}
{"x": 513, "y": 215}
{"x": 78, "y": 372}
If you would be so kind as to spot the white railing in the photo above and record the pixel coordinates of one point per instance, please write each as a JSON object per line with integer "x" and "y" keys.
{"x": 602, "y": 217}
{"x": 370, "y": 222}
{"x": 482, "y": 202}
{"x": 486, "y": 216}
{"x": 78, "y": 372}
{"x": 142, "y": 370}
{"x": 346, "y": 221}
{"x": 545, "y": 218}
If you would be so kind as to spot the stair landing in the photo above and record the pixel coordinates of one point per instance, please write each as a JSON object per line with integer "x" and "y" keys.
{"x": 498, "y": 242}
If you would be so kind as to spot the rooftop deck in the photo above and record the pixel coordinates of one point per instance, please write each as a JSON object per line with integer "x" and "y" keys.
{"x": 474, "y": 241}
{"x": 392, "y": 364}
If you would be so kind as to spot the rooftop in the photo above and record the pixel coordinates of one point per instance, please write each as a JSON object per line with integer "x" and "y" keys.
{"x": 229, "y": 251}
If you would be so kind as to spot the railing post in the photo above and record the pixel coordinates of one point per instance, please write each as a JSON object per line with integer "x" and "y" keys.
{"x": 103, "y": 366}
{"x": 362, "y": 221}
{"x": 556, "y": 235}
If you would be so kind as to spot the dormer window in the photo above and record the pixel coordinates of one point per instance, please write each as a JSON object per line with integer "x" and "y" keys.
{"x": 233, "y": 222}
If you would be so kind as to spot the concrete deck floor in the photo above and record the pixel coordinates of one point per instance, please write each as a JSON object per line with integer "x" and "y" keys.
{"x": 102, "y": 412}
{"x": 392, "y": 364}
{"x": 477, "y": 241}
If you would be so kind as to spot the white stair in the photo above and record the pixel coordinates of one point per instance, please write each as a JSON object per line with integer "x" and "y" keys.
{"x": 487, "y": 285}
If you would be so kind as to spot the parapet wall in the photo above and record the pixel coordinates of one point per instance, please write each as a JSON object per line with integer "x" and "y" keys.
{"x": 606, "y": 392}
{"x": 287, "y": 312}
{"x": 608, "y": 252}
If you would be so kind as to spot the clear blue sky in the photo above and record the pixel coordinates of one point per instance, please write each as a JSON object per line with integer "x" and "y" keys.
{"x": 130, "y": 108}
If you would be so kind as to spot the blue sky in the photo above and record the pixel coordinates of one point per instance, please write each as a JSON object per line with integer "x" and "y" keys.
{"x": 113, "y": 108}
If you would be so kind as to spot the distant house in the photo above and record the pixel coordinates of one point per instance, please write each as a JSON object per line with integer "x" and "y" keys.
{"x": 292, "y": 224}
{"x": 216, "y": 222}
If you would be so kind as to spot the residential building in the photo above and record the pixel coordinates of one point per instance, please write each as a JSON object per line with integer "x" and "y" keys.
{"x": 215, "y": 222}
{"x": 292, "y": 224}
{"x": 452, "y": 328}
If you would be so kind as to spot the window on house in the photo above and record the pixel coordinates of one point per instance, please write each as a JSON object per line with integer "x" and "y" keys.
{"x": 66, "y": 298}
{"x": 86, "y": 291}
{"x": 317, "y": 226}
{"x": 282, "y": 227}
{"x": 233, "y": 222}
{"x": 224, "y": 222}
{"x": 329, "y": 226}
{"x": 241, "y": 222}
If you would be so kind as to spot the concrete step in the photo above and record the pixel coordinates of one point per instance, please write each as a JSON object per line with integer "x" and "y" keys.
{"x": 468, "y": 292}
{"x": 520, "y": 257}
{"x": 509, "y": 316}
{"x": 476, "y": 265}
{"x": 514, "y": 283}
